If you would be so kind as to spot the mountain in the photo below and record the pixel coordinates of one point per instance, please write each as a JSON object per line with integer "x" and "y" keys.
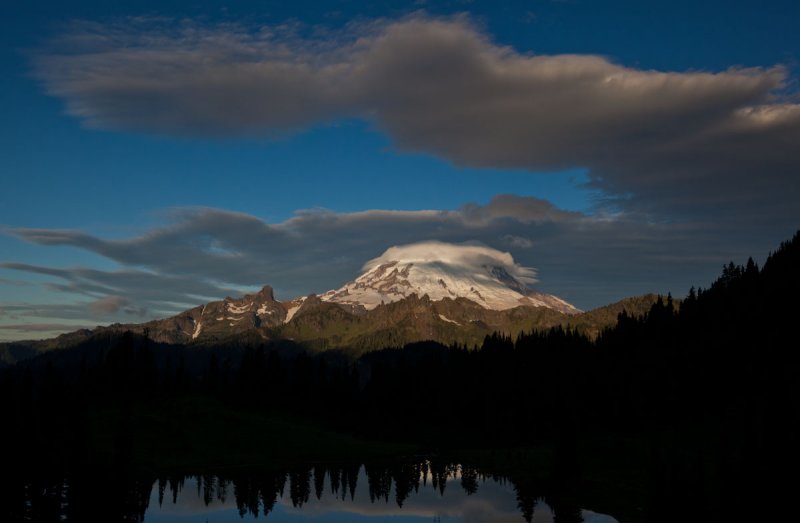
{"x": 439, "y": 270}
{"x": 316, "y": 325}
{"x": 426, "y": 291}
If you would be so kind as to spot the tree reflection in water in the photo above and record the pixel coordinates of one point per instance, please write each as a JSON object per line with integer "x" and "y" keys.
{"x": 414, "y": 491}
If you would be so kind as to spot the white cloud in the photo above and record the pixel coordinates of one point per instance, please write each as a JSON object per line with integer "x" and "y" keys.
{"x": 470, "y": 258}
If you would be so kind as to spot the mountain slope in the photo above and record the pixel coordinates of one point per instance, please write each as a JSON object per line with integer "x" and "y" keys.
{"x": 466, "y": 291}
{"x": 426, "y": 291}
{"x": 320, "y": 325}
{"x": 325, "y": 325}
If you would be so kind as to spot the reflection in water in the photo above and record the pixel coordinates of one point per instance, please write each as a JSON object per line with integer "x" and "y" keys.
{"x": 397, "y": 492}
{"x": 364, "y": 493}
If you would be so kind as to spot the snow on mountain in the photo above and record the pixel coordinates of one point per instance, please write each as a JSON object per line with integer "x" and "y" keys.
{"x": 483, "y": 275}
{"x": 440, "y": 270}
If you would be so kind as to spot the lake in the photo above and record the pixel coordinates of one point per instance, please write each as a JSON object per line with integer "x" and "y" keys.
{"x": 397, "y": 492}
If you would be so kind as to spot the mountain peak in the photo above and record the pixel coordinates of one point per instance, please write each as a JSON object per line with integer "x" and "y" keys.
{"x": 265, "y": 294}
{"x": 440, "y": 270}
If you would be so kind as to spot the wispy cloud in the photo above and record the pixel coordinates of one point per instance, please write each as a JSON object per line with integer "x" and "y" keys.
{"x": 114, "y": 304}
{"x": 206, "y": 253}
{"x": 40, "y": 327}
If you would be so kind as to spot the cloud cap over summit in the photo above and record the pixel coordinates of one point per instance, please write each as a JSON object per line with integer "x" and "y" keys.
{"x": 468, "y": 257}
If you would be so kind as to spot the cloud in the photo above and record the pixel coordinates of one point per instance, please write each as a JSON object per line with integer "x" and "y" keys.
{"x": 15, "y": 283}
{"x": 113, "y": 296}
{"x": 41, "y": 327}
{"x": 517, "y": 241}
{"x": 718, "y": 145}
{"x": 201, "y": 254}
{"x": 109, "y": 305}
{"x": 205, "y": 252}
{"x": 20, "y": 311}
{"x": 469, "y": 258}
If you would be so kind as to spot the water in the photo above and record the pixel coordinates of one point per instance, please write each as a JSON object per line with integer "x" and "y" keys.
{"x": 328, "y": 496}
{"x": 397, "y": 492}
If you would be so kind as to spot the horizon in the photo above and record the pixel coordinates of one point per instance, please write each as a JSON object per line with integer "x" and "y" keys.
{"x": 157, "y": 156}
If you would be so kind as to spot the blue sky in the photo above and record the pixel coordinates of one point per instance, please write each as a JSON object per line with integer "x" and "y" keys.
{"x": 106, "y": 161}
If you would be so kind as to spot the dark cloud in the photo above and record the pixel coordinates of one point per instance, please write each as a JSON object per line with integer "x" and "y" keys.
{"x": 182, "y": 78}
{"x": 518, "y": 241}
{"x": 697, "y": 143}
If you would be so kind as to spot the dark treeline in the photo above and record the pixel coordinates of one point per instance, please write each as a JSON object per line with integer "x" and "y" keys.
{"x": 701, "y": 396}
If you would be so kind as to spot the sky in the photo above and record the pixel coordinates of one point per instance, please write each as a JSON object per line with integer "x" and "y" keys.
{"x": 157, "y": 155}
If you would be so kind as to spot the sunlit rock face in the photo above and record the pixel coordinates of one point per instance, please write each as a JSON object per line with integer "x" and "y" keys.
{"x": 488, "y": 277}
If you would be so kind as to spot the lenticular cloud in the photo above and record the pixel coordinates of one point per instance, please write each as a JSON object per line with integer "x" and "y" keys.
{"x": 467, "y": 258}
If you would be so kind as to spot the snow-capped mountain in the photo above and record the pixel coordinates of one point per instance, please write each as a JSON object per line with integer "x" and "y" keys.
{"x": 439, "y": 270}
{"x": 432, "y": 291}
